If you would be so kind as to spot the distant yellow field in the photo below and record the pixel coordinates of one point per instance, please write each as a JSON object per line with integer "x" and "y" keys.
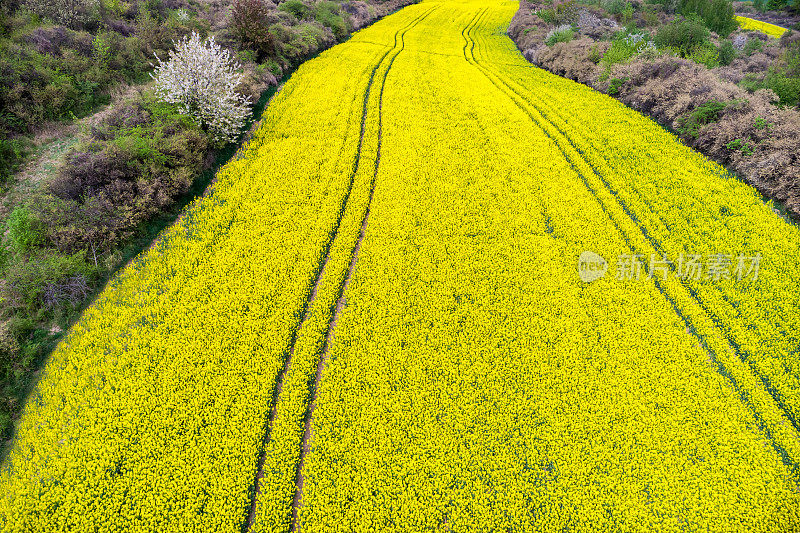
{"x": 764, "y": 27}
{"x": 397, "y": 253}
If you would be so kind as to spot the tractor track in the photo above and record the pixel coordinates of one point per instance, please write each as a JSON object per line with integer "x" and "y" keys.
{"x": 305, "y": 445}
{"x": 318, "y": 276}
{"x": 732, "y": 345}
{"x": 721, "y": 322}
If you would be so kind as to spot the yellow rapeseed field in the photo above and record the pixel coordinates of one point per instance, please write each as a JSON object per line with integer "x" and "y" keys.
{"x": 764, "y": 27}
{"x": 375, "y": 321}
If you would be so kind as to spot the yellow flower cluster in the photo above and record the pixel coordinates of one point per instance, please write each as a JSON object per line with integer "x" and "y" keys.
{"x": 639, "y": 195}
{"x": 764, "y": 27}
{"x": 475, "y": 383}
{"x": 472, "y": 381}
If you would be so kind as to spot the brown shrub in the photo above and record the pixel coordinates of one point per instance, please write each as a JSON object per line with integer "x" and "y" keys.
{"x": 670, "y": 89}
{"x": 250, "y": 20}
{"x": 592, "y": 24}
{"x": 120, "y": 26}
{"x": 732, "y": 73}
{"x": 255, "y": 81}
{"x": 136, "y": 164}
{"x": 53, "y": 41}
{"x": 384, "y": 8}
{"x": 790, "y": 38}
{"x": 571, "y": 59}
{"x": 359, "y": 12}
{"x": 526, "y": 29}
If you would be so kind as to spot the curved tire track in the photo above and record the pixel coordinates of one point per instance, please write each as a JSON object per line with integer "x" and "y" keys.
{"x": 340, "y": 300}
{"x": 320, "y": 271}
{"x": 572, "y": 153}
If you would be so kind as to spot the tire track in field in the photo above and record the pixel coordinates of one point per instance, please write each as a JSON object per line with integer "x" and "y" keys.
{"x": 319, "y": 274}
{"x": 731, "y": 345}
{"x": 546, "y": 219}
{"x": 340, "y": 300}
{"x": 723, "y": 323}
{"x": 722, "y": 319}
{"x": 790, "y": 460}
{"x": 719, "y": 321}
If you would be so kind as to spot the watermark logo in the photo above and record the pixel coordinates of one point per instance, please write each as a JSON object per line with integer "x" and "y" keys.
{"x": 591, "y": 266}
{"x": 714, "y": 267}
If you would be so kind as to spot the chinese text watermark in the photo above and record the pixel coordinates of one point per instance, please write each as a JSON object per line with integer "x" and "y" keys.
{"x": 715, "y": 266}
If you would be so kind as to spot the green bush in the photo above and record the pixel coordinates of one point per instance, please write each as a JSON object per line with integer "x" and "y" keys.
{"x": 717, "y": 15}
{"x": 720, "y": 17}
{"x": 792, "y": 59}
{"x": 777, "y": 5}
{"x": 683, "y": 35}
{"x": 760, "y": 123}
{"x": 12, "y": 152}
{"x": 618, "y": 53}
{"x": 650, "y": 15}
{"x": 668, "y": 6}
{"x": 751, "y": 83}
{"x": 5, "y": 424}
{"x": 327, "y": 14}
{"x": 298, "y": 42}
{"x": 140, "y": 144}
{"x": 594, "y": 55}
{"x": 706, "y": 113}
{"x": 615, "y": 84}
{"x": 740, "y": 145}
{"x": 705, "y": 54}
{"x": 786, "y": 87}
{"x": 32, "y": 280}
{"x": 101, "y": 51}
{"x": 752, "y": 46}
{"x": 565, "y": 12}
{"x": 780, "y": 80}
{"x": 726, "y": 52}
{"x": 20, "y": 327}
{"x": 623, "y": 47}
{"x": 25, "y": 231}
{"x": 627, "y": 13}
{"x": 5, "y": 257}
{"x": 296, "y": 8}
{"x": 614, "y": 7}
{"x": 273, "y": 67}
{"x": 548, "y": 15}
{"x": 561, "y": 34}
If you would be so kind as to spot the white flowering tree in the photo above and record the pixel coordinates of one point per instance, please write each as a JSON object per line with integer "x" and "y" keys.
{"x": 201, "y": 78}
